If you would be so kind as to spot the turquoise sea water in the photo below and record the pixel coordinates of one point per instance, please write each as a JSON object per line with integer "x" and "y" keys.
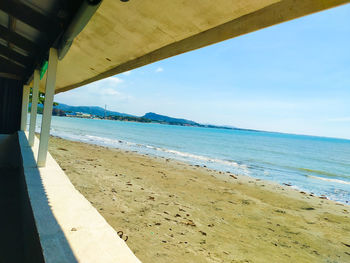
{"x": 314, "y": 164}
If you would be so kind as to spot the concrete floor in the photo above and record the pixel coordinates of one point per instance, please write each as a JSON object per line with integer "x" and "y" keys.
{"x": 11, "y": 241}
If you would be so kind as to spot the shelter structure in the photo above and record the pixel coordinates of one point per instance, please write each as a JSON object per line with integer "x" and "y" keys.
{"x": 58, "y": 45}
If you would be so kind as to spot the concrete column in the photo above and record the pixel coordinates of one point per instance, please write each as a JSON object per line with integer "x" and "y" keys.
{"x": 34, "y": 109}
{"x": 25, "y": 98}
{"x": 47, "y": 113}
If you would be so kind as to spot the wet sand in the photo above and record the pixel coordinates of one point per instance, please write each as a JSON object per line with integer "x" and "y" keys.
{"x": 176, "y": 212}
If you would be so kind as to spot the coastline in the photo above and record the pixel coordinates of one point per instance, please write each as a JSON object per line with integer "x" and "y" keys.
{"x": 173, "y": 210}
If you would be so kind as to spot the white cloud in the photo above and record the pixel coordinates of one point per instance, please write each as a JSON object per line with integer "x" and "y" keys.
{"x": 99, "y": 93}
{"x": 341, "y": 119}
{"x": 110, "y": 91}
{"x": 127, "y": 73}
{"x": 159, "y": 69}
{"x": 114, "y": 80}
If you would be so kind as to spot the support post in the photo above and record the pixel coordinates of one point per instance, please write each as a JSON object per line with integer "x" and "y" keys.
{"x": 47, "y": 113}
{"x": 34, "y": 108}
{"x": 25, "y": 98}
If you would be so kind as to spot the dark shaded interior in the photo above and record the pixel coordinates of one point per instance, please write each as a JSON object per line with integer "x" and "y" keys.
{"x": 27, "y": 30}
{"x": 10, "y": 105}
{"x": 11, "y": 241}
{"x": 19, "y": 241}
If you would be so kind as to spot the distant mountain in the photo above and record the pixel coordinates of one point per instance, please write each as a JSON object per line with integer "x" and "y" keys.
{"x": 162, "y": 118}
{"x": 63, "y": 109}
{"x": 93, "y": 110}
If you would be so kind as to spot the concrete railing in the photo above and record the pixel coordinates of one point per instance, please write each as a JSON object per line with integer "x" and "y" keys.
{"x": 69, "y": 228}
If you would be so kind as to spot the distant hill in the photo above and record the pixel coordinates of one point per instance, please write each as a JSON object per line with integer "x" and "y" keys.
{"x": 63, "y": 109}
{"x": 93, "y": 110}
{"x": 162, "y": 118}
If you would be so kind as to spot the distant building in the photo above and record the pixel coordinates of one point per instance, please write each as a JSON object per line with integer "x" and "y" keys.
{"x": 83, "y": 115}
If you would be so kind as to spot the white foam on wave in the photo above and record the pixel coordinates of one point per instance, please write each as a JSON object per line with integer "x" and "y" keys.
{"x": 184, "y": 155}
{"x": 108, "y": 141}
{"x": 203, "y": 158}
{"x": 329, "y": 180}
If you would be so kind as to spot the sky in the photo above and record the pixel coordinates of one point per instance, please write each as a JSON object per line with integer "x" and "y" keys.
{"x": 293, "y": 77}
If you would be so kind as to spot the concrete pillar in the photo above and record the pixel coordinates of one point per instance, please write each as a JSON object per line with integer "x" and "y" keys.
{"x": 25, "y": 98}
{"x": 34, "y": 109}
{"x": 47, "y": 113}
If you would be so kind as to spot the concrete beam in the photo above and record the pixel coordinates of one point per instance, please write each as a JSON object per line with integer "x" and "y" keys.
{"x": 110, "y": 44}
{"x": 34, "y": 108}
{"x": 25, "y": 99}
{"x": 47, "y": 113}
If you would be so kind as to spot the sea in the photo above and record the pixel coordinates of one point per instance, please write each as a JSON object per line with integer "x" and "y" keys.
{"x": 312, "y": 164}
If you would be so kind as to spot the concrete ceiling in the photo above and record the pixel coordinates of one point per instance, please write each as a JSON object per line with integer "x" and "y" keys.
{"x": 125, "y": 35}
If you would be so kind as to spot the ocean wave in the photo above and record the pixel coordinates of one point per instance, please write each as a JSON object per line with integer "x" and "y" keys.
{"x": 107, "y": 141}
{"x": 330, "y": 183}
{"x": 202, "y": 158}
{"x": 176, "y": 154}
{"x": 329, "y": 180}
{"x": 320, "y": 172}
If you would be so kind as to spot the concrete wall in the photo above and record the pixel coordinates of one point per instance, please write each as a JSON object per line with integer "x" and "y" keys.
{"x": 5, "y": 147}
{"x": 70, "y": 228}
{"x": 19, "y": 240}
{"x": 10, "y": 105}
{"x": 9, "y": 150}
{"x": 47, "y": 219}
{"x": 32, "y": 251}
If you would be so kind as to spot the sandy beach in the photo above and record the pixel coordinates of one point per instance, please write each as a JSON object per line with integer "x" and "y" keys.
{"x": 176, "y": 212}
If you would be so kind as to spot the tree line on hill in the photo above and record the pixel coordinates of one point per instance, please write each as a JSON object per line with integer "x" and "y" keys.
{"x": 61, "y": 109}
{"x": 128, "y": 118}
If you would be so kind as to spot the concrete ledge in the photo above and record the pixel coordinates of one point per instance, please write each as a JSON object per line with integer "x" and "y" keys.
{"x": 58, "y": 208}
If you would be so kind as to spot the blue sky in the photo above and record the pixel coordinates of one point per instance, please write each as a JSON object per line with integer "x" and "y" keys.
{"x": 293, "y": 77}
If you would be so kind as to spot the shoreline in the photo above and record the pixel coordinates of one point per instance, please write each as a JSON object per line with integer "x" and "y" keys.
{"x": 171, "y": 209}
{"x": 221, "y": 172}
